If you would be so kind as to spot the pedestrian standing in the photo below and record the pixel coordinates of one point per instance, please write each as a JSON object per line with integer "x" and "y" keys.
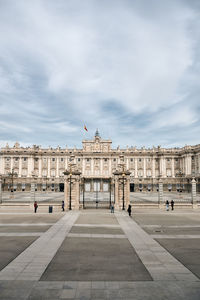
{"x": 129, "y": 210}
{"x": 167, "y": 205}
{"x": 172, "y": 204}
{"x": 35, "y": 206}
{"x": 112, "y": 208}
{"x": 63, "y": 206}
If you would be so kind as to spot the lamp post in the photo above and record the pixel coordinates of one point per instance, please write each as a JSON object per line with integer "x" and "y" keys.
{"x": 70, "y": 191}
{"x": 12, "y": 174}
{"x": 123, "y": 176}
{"x": 83, "y": 192}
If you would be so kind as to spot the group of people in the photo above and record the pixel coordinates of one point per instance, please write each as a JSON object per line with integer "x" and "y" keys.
{"x": 112, "y": 209}
{"x": 36, "y": 206}
{"x": 167, "y": 205}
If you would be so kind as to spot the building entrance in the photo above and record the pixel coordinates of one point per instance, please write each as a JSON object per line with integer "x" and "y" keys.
{"x": 96, "y": 193}
{"x": 61, "y": 187}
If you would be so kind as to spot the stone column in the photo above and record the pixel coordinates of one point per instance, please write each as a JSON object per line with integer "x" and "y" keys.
{"x": 73, "y": 189}
{"x": 194, "y": 193}
{"x": 136, "y": 171}
{"x": 127, "y": 194}
{"x": 20, "y": 167}
{"x": 92, "y": 166}
{"x": 57, "y": 167}
{"x": 116, "y": 192}
{"x": 48, "y": 167}
{"x": 153, "y": 168}
{"x": 66, "y": 192}
{"x": 160, "y": 193}
{"x": 11, "y": 164}
{"x": 0, "y": 190}
{"x": 173, "y": 173}
{"x": 164, "y": 167}
{"x": 144, "y": 167}
{"x": 40, "y": 167}
{"x": 32, "y": 194}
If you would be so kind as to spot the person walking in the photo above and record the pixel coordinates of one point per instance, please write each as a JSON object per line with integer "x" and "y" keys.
{"x": 35, "y": 206}
{"x": 63, "y": 206}
{"x": 112, "y": 208}
{"x": 172, "y": 204}
{"x": 167, "y": 205}
{"x": 129, "y": 210}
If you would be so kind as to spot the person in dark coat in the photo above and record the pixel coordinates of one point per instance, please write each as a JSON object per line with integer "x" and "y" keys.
{"x": 63, "y": 206}
{"x": 172, "y": 204}
{"x": 35, "y": 206}
{"x": 129, "y": 210}
{"x": 167, "y": 205}
{"x": 112, "y": 208}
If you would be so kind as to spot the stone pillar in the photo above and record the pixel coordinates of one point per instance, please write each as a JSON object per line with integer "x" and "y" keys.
{"x": 48, "y": 166}
{"x": 173, "y": 173}
{"x": 136, "y": 171}
{"x": 127, "y": 196}
{"x": 40, "y": 167}
{"x": 160, "y": 194}
{"x": 122, "y": 182}
{"x": 153, "y": 168}
{"x": 0, "y": 190}
{"x": 20, "y": 167}
{"x": 57, "y": 167}
{"x": 32, "y": 194}
{"x": 72, "y": 187}
{"x": 144, "y": 166}
{"x": 194, "y": 193}
{"x": 116, "y": 192}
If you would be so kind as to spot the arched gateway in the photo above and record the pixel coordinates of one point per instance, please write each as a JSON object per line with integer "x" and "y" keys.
{"x": 101, "y": 187}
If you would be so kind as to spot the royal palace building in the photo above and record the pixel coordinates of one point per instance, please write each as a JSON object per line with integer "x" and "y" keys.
{"x": 97, "y": 161}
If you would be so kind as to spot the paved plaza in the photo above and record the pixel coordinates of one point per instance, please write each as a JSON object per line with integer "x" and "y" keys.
{"x": 93, "y": 254}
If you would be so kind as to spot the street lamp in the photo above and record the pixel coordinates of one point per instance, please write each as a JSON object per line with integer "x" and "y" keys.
{"x": 70, "y": 191}
{"x": 12, "y": 174}
{"x": 83, "y": 192}
{"x": 123, "y": 176}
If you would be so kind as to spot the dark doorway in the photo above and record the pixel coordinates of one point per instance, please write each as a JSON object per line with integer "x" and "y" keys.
{"x": 61, "y": 187}
{"x": 132, "y": 187}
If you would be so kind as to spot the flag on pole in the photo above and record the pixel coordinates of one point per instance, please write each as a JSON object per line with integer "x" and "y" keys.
{"x": 85, "y": 128}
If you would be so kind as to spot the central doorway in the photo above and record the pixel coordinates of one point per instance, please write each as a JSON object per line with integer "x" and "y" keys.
{"x": 96, "y": 193}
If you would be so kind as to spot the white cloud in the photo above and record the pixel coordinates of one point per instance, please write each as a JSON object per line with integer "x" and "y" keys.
{"x": 81, "y": 55}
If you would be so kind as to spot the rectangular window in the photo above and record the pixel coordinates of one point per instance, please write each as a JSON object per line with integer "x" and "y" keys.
{"x": 88, "y": 159}
{"x": 140, "y": 159}
{"x": 7, "y": 158}
{"x": 62, "y": 159}
{"x": 25, "y": 158}
{"x": 16, "y": 158}
{"x": 131, "y": 159}
{"x": 105, "y": 159}
{"x": 114, "y": 159}
{"x": 79, "y": 159}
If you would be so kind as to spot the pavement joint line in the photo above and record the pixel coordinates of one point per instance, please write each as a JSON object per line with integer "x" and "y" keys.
{"x": 173, "y": 236}
{"x": 141, "y": 241}
{"x": 170, "y": 226}
{"x": 97, "y": 225}
{"x": 41, "y": 251}
{"x": 26, "y": 224}
{"x": 88, "y": 235}
{"x": 21, "y": 233}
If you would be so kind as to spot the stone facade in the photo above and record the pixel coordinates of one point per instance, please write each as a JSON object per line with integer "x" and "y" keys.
{"x": 97, "y": 160}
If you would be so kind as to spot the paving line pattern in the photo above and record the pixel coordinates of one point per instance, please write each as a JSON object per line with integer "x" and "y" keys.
{"x": 21, "y": 233}
{"x": 96, "y": 235}
{"x": 97, "y": 225}
{"x": 160, "y": 263}
{"x": 26, "y": 224}
{"x": 31, "y": 264}
{"x": 175, "y": 236}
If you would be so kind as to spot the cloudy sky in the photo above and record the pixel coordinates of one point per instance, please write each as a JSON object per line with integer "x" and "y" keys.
{"x": 130, "y": 68}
